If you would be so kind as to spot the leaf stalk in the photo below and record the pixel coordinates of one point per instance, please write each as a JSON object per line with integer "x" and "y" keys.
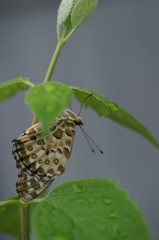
{"x": 52, "y": 65}
{"x": 24, "y": 214}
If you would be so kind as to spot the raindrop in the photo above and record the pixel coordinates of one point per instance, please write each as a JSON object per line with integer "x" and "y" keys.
{"x": 78, "y": 188}
{"x": 113, "y": 107}
{"x": 107, "y": 201}
{"x": 113, "y": 215}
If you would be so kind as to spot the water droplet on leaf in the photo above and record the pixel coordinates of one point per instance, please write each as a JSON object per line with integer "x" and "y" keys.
{"x": 107, "y": 201}
{"x": 78, "y": 188}
{"x": 113, "y": 215}
{"x": 113, "y": 107}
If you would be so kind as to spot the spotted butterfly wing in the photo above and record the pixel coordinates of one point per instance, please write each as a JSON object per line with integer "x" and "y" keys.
{"x": 41, "y": 159}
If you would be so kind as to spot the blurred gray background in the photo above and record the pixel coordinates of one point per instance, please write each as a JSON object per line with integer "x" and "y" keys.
{"x": 116, "y": 53}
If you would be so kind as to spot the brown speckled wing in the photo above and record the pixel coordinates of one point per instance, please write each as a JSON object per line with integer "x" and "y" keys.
{"x": 41, "y": 159}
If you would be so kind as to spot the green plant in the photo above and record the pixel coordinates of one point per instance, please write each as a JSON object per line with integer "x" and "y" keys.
{"x": 61, "y": 207}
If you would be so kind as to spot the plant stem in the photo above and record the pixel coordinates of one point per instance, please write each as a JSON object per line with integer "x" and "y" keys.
{"x": 53, "y": 62}
{"x": 52, "y": 65}
{"x": 24, "y": 213}
{"x": 55, "y": 56}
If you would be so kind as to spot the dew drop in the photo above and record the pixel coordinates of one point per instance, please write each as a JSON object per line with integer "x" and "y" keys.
{"x": 54, "y": 193}
{"x": 107, "y": 201}
{"x": 113, "y": 107}
{"x": 78, "y": 188}
{"x": 113, "y": 215}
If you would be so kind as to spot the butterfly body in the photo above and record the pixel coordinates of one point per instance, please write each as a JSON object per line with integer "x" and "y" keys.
{"x": 41, "y": 159}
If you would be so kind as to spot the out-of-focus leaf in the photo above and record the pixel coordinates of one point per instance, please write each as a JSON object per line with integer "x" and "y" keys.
{"x": 74, "y": 13}
{"x": 9, "y": 217}
{"x": 48, "y": 100}
{"x": 11, "y": 87}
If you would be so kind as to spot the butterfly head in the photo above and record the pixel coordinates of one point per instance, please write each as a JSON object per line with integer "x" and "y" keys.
{"x": 78, "y": 121}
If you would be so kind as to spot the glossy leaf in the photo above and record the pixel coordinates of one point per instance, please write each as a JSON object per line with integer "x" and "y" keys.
{"x": 11, "y": 87}
{"x": 88, "y": 209}
{"x": 106, "y": 108}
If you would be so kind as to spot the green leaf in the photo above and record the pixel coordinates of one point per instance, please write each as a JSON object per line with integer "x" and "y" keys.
{"x": 9, "y": 216}
{"x": 73, "y": 13}
{"x": 11, "y": 87}
{"x": 48, "y": 100}
{"x": 111, "y": 110}
{"x": 64, "y": 11}
{"x": 88, "y": 209}
{"x": 82, "y": 11}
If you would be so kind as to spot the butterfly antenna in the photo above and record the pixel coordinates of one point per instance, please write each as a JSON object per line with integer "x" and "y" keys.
{"x": 84, "y": 103}
{"x": 89, "y": 138}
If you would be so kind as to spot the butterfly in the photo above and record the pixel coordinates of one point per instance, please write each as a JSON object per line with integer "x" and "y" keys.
{"x": 40, "y": 159}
